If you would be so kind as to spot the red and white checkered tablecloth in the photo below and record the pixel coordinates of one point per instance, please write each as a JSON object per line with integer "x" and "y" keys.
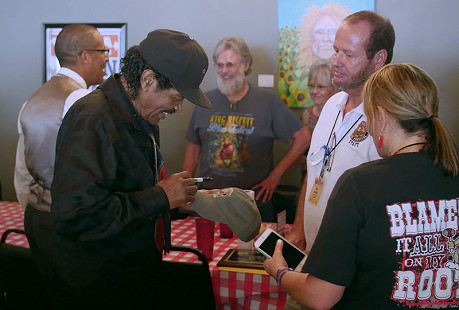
{"x": 233, "y": 290}
{"x": 12, "y": 216}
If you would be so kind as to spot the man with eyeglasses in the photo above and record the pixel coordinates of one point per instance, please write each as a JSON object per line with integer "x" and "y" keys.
{"x": 233, "y": 141}
{"x": 82, "y": 55}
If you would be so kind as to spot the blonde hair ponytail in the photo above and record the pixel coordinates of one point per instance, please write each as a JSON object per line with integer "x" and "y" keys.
{"x": 410, "y": 96}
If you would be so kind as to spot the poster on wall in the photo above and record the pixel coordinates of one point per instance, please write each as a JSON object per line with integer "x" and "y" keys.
{"x": 114, "y": 38}
{"x": 306, "y": 30}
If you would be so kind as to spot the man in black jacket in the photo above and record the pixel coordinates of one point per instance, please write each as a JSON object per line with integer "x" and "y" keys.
{"x": 110, "y": 197}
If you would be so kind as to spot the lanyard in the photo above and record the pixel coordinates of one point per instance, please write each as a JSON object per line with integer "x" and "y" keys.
{"x": 158, "y": 159}
{"x": 328, "y": 151}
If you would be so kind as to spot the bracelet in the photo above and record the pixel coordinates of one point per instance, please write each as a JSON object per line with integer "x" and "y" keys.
{"x": 277, "y": 274}
{"x": 279, "y": 283}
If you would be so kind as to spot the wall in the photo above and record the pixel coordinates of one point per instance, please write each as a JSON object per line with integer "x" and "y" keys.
{"x": 426, "y": 36}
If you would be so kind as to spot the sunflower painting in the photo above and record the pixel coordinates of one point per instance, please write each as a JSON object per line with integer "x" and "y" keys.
{"x": 307, "y": 30}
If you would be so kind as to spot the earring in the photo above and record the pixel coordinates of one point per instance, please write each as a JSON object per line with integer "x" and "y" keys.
{"x": 380, "y": 141}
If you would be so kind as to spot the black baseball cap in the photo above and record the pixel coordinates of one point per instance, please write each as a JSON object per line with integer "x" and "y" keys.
{"x": 181, "y": 59}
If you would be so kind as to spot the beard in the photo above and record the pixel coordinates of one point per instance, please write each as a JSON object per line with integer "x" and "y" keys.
{"x": 232, "y": 87}
{"x": 323, "y": 50}
{"x": 355, "y": 81}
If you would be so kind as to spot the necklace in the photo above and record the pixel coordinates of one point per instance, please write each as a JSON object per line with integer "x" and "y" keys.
{"x": 409, "y": 145}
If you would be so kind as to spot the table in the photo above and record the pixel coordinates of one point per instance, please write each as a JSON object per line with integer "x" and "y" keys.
{"x": 12, "y": 216}
{"x": 232, "y": 289}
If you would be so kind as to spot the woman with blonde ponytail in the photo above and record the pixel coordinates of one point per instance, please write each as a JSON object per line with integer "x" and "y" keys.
{"x": 389, "y": 238}
{"x": 409, "y": 96}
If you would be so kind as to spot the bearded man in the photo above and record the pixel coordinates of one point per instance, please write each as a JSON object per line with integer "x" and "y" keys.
{"x": 363, "y": 44}
{"x": 233, "y": 141}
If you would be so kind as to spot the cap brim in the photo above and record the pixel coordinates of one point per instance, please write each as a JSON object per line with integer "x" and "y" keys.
{"x": 195, "y": 96}
{"x": 238, "y": 211}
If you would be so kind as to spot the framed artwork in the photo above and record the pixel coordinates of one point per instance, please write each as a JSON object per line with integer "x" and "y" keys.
{"x": 114, "y": 38}
{"x": 242, "y": 259}
{"x": 306, "y": 31}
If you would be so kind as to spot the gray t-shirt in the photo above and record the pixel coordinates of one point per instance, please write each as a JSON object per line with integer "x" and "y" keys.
{"x": 237, "y": 143}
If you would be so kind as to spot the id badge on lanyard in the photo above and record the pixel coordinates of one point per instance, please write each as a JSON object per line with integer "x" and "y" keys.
{"x": 327, "y": 162}
{"x": 319, "y": 182}
{"x": 316, "y": 191}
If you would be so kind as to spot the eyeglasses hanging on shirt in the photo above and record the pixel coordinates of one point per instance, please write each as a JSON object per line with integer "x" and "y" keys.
{"x": 327, "y": 162}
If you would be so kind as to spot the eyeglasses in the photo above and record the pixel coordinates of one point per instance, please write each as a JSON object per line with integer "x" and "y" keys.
{"x": 106, "y": 51}
{"x": 323, "y": 32}
{"x": 228, "y": 65}
{"x": 329, "y": 153}
{"x": 318, "y": 86}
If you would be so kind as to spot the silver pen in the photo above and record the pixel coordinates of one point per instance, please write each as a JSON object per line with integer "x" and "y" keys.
{"x": 202, "y": 179}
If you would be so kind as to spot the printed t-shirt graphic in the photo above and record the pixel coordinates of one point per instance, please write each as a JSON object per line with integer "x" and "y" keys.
{"x": 229, "y": 141}
{"x": 426, "y": 236}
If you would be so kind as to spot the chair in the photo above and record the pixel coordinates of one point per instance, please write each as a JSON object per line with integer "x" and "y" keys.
{"x": 187, "y": 285}
{"x": 20, "y": 284}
